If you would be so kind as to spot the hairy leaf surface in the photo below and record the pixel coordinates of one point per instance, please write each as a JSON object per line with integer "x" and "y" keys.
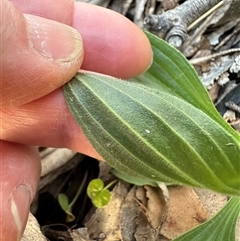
{"x": 155, "y": 135}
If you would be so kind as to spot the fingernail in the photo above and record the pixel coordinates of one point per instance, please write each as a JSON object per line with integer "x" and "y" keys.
{"x": 20, "y": 205}
{"x": 54, "y": 40}
{"x": 150, "y": 64}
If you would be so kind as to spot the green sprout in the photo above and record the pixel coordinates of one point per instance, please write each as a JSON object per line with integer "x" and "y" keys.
{"x": 64, "y": 201}
{"x": 99, "y": 194}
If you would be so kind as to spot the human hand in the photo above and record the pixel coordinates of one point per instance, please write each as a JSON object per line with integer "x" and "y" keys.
{"x": 38, "y": 56}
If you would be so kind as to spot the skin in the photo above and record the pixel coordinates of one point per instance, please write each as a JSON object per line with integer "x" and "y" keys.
{"x": 33, "y": 111}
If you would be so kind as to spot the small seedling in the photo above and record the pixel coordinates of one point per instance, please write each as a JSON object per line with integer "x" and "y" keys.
{"x": 64, "y": 201}
{"x": 66, "y": 206}
{"x": 99, "y": 194}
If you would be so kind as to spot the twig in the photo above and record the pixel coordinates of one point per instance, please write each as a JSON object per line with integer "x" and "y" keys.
{"x": 210, "y": 11}
{"x": 236, "y": 30}
{"x": 173, "y": 24}
{"x": 55, "y": 160}
{"x": 46, "y": 151}
{"x": 151, "y": 5}
{"x": 233, "y": 106}
{"x": 206, "y": 58}
{"x": 139, "y": 9}
{"x": 126, "y": 5}
{"x": 189, "y": 47}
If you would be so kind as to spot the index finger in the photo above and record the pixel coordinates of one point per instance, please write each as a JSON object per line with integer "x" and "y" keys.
{"x": 113, "y": 45}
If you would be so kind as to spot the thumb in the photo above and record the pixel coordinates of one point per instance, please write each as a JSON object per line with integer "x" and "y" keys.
{"x": 37, "y": 55}
{"x": 19, "y": 174}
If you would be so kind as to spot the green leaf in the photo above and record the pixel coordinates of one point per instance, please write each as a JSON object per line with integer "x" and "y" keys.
{"x": 64, "y": 204}
{"x": 168, "y": 132}
{"x": 94, "y": 187}
{"x": 172, "y": 73}
{"x": 220, "y": 228}
{"x": 154, "y": 135}
{"x": 101, "y": 198}
{"x": 133, "y": 179}
{"x": 97, "y": 193}
{"x": 63, "y": 201}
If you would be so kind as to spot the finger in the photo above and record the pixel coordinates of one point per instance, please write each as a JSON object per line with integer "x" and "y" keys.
{"x": 19, "y": 175}
{"x": 38, "y": 55}
{"x": 113, "y": 45}
{"x": 45, "y": 122}
{"x": 60, "y": 11}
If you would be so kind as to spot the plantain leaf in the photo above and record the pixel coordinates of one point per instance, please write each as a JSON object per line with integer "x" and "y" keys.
{"x": 172, "y": 73}
{"x": 220, "y": 228}
{"x": 154, "y": 135}
{"x": 133, "y": 179}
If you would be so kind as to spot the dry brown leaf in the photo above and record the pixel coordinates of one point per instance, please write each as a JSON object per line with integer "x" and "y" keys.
{"x": 212, "y": 201}
{"x": 155, "y": 206}
{"x": 185, "y": 212}
{"x": 129, "y": 213}
{"x": 134, "y": 224}
{"x": 144, "y": 231}
{"x": 143, "y": 212}
{"x": 149, "y": 220}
